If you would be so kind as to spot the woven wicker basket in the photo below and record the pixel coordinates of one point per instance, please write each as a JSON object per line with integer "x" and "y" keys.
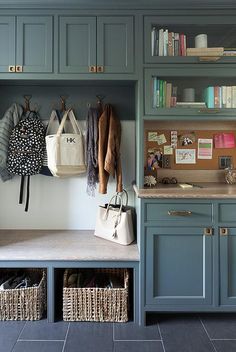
{"x": 24, "y": 303}
{"x": 96, "y": 304}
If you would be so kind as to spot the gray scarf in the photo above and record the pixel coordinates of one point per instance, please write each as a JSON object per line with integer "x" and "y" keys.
{"x": 92, "y": 150}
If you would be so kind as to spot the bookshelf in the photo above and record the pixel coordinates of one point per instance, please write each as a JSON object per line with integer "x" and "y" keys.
{"x": 209, "y": 83}
{"x": 169, "y": 39}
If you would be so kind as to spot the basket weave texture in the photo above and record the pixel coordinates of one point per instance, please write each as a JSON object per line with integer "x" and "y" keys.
{"x": 96, "y": 304}
{"x": 24, "y": 303}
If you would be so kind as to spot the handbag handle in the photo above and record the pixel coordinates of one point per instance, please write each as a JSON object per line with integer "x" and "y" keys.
{"x": 121, "y": 194}
{"x": 69, "y": 114}
{"x": 52, "y": 118}
{"x": 109, "y": 205}
{"x": 118, "y": 217}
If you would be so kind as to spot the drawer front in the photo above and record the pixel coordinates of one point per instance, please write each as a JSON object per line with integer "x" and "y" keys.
{"x": 188, "y": 213}
{"x": 227, "y": 212}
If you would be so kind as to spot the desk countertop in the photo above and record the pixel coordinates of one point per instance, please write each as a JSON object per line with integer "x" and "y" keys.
{"x": 62, "y": 245}
{"x": 205, "y": 190}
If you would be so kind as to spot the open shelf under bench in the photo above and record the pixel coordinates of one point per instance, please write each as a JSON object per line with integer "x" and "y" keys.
{"x": 60, "y": 249}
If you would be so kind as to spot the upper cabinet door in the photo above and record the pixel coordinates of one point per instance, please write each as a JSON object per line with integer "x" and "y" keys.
{"x": 7, "y": 40}
{"x": 115, "y": 44}
{"x": 77, "y": 53}
{"x": 34, "y": 43}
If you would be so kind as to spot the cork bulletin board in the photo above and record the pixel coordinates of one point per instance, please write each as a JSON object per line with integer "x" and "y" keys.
{"x": 201, "y": 164}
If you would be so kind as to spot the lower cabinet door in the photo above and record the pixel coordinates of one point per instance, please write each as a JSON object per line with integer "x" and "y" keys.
{"x": 178, "y": 266}
{"x": 227, "y": 266}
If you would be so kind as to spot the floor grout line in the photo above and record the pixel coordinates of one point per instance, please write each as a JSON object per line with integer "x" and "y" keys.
{"x": 63, "y": 348}
{"x": 18, "y": 337}
{"x": 162, "y": 342}
{"x": 113, "y": 332}
{"x": 223, "y": 339}
{"x": 138, "y": 340}
{"x": 207, "y": 333}
{"x": 21, "y": 331}
{"x": 38, "y": 340}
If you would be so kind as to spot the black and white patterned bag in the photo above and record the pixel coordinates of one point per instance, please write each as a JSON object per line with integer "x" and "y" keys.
{"x": 25, "y": 152}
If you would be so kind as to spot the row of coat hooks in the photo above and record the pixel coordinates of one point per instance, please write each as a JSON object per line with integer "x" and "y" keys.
{"x": 63, "y": 98}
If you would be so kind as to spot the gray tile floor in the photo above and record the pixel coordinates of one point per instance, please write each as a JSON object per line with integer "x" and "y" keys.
{"x": 165, "y": 333}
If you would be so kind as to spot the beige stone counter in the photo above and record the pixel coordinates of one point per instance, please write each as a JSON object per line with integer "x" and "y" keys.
{"x": 62, "y": 245}
{"x": 204, "y": 190}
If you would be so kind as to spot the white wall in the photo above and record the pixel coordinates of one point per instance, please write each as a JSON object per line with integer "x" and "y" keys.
{"x": 63, "y": 203}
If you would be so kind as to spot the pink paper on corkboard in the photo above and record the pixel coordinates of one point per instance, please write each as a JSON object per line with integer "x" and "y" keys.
{"x": 224, "y": 140}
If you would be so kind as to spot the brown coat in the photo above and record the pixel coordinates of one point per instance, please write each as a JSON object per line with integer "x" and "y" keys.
{"x": 109, "y": 162}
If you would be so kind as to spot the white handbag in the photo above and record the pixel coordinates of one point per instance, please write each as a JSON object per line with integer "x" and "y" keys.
{"x": 65, "y": 151}
{"x": 114, "y": 223}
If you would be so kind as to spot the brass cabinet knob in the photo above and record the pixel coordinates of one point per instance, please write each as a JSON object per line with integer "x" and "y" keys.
{"x": 208, "y": 231}
{"x": 100, "y": 69}
{"x": 11, "y": 68}
{"x": 224, "y": 231}
{"x": 19, "y": 68}
{"x": 92, "y": 69}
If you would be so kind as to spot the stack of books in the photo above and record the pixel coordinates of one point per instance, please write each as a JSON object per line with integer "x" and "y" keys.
{"x": 229, "y": 52}
{"x": 166, "y": 43}
{"x": 164, "y": 94}
{"x": 220, "y": 97}
{"x": 205, "y": 51}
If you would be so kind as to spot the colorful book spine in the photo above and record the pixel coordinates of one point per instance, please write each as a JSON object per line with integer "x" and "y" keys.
{"x": 161, "y": 93}
{"x": 228, "y": 97}
{"x": 164, "y": 94}
{"x": 209, "y": 97}
{"x": 157, "y": 90}
{"x": 224, "y": 92}
{"x": 216, "y": 97}
{"x": 165, "y": 49}
{"x": 168, "y": 94}
{"x": 161, "y": 42}
{"x": 233, "y": 97}
{"x": 174, "y": 96}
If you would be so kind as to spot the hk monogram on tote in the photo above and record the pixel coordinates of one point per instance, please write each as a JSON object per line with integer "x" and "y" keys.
{"x": 65, "y": 151}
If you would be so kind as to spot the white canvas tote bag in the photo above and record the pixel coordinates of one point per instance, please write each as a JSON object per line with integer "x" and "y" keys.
{"x": 115, "y": 223}
{"x": 65, "y": 151}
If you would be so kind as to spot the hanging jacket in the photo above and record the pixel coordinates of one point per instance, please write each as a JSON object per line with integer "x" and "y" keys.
{"x": 109, "y": 162}
{"x": 7, "y": 123}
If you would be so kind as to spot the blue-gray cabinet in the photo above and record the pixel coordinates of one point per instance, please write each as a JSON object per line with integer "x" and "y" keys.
{"x": 34, "y": 48}
{"x": 96, "y": 44}
{"x": 27, "y": 43}
{"x": 189, "y": 255}
{"x": 7, "y": 40}
{"x": 178, "y": 266}
{"x": 77, "y": 44}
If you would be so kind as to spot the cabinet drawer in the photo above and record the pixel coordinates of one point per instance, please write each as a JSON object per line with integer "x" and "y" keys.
{"x": 227, "y": 212}
{"x": 179, "y": 212}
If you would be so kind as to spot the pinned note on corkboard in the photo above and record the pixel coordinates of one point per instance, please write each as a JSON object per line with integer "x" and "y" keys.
{"x": 223, "y": 144}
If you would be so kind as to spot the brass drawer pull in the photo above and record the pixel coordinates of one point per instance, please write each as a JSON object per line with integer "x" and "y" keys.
{"x": 210, "y": 111}
{"x": 209, "y": 58}
{"x": 19, "y": 68}
{"x": 100, "y": 69}
{"x": 11, "y": 68}
{"x": 224, "y": 231}
{"x": 179, "y": 212}
{"x": 92, "y": 69}
{"x": 208, "y": 231}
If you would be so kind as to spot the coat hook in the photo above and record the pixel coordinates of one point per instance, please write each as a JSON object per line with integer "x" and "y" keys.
{"x": 100, "y": 98}
{"x": 27, "y": 98}
{"x": 63, "y": 102}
